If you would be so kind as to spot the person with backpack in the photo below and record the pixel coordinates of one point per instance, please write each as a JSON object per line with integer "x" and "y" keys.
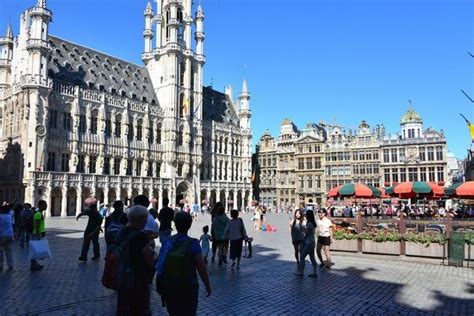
{"x": 217, "y": 232}
{"x": 92, "y": 231}
{"x": 6, "y": 236}
{"x": 39, "y": 230}
{"x": 135, "y": 265}
{"x": 309, "y": 244}
{"x": 236, "y": 233}
{"x": 179, "y": 262}
{"x": 26, "y": 224}
{"x": 165, "y": 217}
{"x": 115, "y": 222}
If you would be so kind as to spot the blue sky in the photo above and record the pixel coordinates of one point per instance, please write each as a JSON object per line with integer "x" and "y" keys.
{"x": 310, "y": 60}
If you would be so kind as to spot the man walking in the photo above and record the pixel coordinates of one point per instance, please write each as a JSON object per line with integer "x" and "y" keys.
{"x": 92, "y": 230}
{"x": 165, "y": 217}
{"x": 39, "y": 230}
{"x": 26, "y": 224}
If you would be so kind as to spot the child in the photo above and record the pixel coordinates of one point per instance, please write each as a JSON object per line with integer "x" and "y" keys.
{"x": 204, "y": 240}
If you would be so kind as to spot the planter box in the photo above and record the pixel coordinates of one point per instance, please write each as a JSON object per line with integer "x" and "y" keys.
{"x": 344, "y": 245}
{"x": 419, "y": 250}
{"x": 386, "y": 248}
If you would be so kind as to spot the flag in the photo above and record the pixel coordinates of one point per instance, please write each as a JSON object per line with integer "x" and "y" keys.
{"x": 186, "y": 105}
{"x": 471, "y": 131}
{"x": 253, "y": 177}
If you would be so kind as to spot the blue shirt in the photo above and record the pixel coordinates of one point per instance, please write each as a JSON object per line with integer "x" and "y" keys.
{"x": 6, "y": 225}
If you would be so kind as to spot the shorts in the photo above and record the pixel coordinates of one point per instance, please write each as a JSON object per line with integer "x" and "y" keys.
{"x": 325, "y": 241}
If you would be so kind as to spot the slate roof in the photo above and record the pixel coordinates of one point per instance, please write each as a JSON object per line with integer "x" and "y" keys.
{"x": 84, "y": 66}
{"x": 218, "y": 107}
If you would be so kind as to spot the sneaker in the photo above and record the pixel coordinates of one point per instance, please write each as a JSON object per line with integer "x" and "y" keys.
{"x": 82, "y": 259}
{"x": 313, "y": 275}
{"x": 299, "y": 274}
{"x": 328, "y": 266}
{"x": 95, "y": 258}
{"x": 36, "y": 268}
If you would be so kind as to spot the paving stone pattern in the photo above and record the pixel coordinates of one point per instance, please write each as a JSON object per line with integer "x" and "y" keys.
{"x": 264, "y": 285}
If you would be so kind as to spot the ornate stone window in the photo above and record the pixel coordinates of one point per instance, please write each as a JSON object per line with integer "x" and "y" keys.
{"x": 118, "y": 125}
{"x": 140, "y": 129}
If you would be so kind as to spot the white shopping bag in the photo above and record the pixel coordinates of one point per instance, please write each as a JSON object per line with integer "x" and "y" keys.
{"x": 39, "y": 249}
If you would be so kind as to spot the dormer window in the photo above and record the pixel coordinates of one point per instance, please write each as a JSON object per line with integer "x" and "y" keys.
{"x": 134, "y": 96}
{"x": 91, "y": 85}
{"x": 123, "y": 94}
{"x": 113, "y": 91}
{"x": 143, "y": 99}
{"x": 101, "y": 88}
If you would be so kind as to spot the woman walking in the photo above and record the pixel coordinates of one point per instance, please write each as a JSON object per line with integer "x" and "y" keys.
{"x": 217, "y": 232}
{"x": 324, "y": 239}
{"x": 236, "y": 233}
{"x": 214, "y": 212}
{"x": 297, "y": 229}
{"x": 309, "y": 244}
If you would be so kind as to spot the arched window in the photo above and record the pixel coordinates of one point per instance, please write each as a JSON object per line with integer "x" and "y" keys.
{"x": 150, "y": 134}
{"x": 94, "y": 120}
{"x": 225, "y": 145}
{"x": 182, "y": 70}
{"x": 221, "y": 140}
{"x": 118, "y": 125}
{"x": 130, "y": 128}
{"x": 180, "y": 136}
{"x": 168, "y": 15}
{"x": 220, "y": 170}
{"x": 237, "y": 148}
{"x": 158, "y": 134}
{"x": 182, "y": 105}
{"x": 140, "y": 129}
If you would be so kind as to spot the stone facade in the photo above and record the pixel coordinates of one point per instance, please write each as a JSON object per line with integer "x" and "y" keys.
{"x": 76, "y": 122}
{"x": 302, "y": 166}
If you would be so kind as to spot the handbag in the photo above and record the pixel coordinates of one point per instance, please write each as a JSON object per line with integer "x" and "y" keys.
{"x": 39, "y": 249}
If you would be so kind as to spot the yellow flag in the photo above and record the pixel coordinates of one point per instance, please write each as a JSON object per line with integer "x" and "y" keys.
{"x": 471, "y": 131}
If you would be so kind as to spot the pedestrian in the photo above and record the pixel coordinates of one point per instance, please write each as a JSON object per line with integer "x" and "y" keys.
{"x": 324, "y": 239}
{"x": 309, "y": 244}
{"x": 297, "y": 229}
{"x": 115, "y": 222}
{"x": 165, "y": 217}
{"x": 217, "y": 232}
{"x": 92, "y": 229}
{"x": 235, "y": 232}
{"x": 136, "y": 299}
{"x": 179, "y": 262}
{"x": 204, "y": 240}
{"x": 151, "y": 227}
{"x": 39, "y": 231}
{"x": 214, "y": 212}
{"x": 26, "y": 224}
{"x": 6, "y": 237}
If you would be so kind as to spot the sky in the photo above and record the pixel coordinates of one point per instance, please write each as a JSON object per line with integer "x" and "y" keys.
{"x": 310, "y": 60}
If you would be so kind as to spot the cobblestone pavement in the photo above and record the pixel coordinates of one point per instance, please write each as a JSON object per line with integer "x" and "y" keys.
{"x": 264, "y": 285}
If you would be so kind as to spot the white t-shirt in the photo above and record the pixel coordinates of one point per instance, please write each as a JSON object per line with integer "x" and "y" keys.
{"x": 323, "y": 227}
{"x": 151, "y": 225}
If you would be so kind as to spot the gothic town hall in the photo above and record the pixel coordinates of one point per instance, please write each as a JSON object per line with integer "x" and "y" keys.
{"x": 76, "y": 122}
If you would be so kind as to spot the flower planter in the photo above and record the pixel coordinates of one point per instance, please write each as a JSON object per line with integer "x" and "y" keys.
{"x": 434, "y": 250}
{"x": 386, "y": 247}
{"x": 344, "y": 245}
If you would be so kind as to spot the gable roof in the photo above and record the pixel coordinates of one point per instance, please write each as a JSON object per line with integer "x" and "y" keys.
{"x": 84, "y": 66}
{"x": 218, "y": 107}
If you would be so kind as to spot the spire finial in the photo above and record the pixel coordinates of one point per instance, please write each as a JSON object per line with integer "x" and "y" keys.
{"x": 41, "y": 4}
{"x": 9, "y": 33}
{"x": 148, "y": 5}
{"x": 410, "y": 105}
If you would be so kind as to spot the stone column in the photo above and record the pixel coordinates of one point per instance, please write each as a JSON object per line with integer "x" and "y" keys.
{"x": 78, "y": 200}
{"x": 48, "y": 196}
{"x": 64, "y": 202}
{"x": 226, "y": 199}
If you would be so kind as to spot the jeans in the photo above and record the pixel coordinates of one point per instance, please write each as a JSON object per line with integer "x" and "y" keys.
{"x": 5, "y": 247}
{"x": 164, "y": 235}
{"x": 305, "y": 251}
{"x": 24, "y": 236}
{"x": 86, "y": 244}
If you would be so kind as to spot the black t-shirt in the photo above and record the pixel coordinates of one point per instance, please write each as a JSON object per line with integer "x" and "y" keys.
{"x": 137, "y": 260}
{"x": 165, "y": 217}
